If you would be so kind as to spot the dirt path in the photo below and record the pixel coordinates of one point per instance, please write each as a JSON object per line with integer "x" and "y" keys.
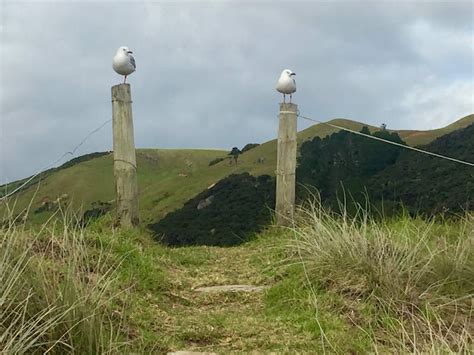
{"x": 226, "y": 321}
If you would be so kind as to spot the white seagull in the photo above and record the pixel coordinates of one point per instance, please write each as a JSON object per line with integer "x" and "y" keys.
{"x": 286, "y": 84}
{"x": 124, "y": 63}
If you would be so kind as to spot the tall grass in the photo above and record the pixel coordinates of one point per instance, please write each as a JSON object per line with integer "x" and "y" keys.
{"x": 55, "y": 291}
{"x": 409, "y": 282}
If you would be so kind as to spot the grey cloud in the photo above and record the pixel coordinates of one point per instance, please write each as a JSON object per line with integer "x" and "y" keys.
{"x": 206, "y": 71}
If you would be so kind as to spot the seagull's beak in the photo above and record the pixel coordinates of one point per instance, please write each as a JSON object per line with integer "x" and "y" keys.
{"x": 129, "y": 52}
{"x": 292, "y": 74}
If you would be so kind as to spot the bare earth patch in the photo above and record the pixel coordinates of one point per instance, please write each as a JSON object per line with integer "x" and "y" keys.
{"x": 231, "y": 288}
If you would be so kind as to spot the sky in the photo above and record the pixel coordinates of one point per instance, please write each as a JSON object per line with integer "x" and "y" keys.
{"x": 207, "y": 70}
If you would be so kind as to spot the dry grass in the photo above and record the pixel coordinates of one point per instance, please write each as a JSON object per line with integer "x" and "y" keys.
{"x": 54, "y": 292}
{"x": 410, "y": 281}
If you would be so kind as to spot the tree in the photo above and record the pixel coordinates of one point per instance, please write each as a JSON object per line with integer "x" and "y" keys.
{"x": 235, "y": 152}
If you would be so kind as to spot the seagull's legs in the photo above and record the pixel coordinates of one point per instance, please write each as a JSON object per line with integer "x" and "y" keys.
{"x": 124, "y": 79}
{"x": 284, "y": 98}
{"x": 291, "y": 96}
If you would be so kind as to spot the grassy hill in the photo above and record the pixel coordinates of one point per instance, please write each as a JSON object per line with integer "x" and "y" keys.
{"x": 168, "y": 177}
{"x": 415, "y": 138}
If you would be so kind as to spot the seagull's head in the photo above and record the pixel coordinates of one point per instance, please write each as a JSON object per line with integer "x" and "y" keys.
{"x": 288, "y": 72}
{"x": 124, "y": 50}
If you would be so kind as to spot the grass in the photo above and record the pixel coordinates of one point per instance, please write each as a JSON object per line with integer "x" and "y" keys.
{"x": 336, "y": 284}
{"x": 405, "y": 284}
{"x": 54, "y": 291}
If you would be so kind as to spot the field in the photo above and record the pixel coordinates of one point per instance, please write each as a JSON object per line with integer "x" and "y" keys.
{"x": 333, "y": 284}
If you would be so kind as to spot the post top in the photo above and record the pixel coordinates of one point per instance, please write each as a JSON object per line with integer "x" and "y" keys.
{"x": 121, "y": 84}
{"x": 121, "y": 92}
{"x": 288, "y": 107}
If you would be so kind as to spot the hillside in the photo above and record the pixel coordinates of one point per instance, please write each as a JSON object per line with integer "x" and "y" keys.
{"x": 350, "y": 167}
{"x": 339, "y": 166}
{"x": 415, "y": 138}
{"x": 425, "y": 184}
{"x": 346, "y": 171}
{"x": 167, "y": 177}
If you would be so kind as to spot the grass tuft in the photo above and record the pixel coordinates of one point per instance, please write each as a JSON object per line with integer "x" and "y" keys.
{"x": 55, "y": 292}
{"x": 408, "y": 283}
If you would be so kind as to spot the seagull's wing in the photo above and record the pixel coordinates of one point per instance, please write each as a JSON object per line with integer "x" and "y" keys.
{"x": 132, "y": 60}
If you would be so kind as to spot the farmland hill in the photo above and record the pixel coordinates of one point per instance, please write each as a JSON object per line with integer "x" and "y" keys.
{"x": 168, "y": 178}
{"x": 346, "y": 171}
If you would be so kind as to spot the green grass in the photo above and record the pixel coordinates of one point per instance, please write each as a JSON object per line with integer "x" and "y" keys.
{"x": 405, "y": 285}
{"x": 335, "y": 285}
{"x": 54, "y": 293}
{"x": 162, "y": 184}
{"x": 161, "y": 187}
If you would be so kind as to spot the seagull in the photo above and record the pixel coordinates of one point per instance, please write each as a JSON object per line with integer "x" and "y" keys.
{"x": 124, "y": 63}
{"x": 286, "y": 84}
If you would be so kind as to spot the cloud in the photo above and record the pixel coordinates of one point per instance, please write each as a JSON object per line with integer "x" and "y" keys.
{"x": 206, "y": 71}
{"x": 432, "y": 104}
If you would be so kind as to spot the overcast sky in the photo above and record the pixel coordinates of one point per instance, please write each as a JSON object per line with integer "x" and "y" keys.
{"x": 206, "y": 70}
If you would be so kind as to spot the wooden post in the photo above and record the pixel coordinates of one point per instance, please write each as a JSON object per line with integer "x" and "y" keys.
{"x": 125, "y": 164}
{"x": 286, "y": 164}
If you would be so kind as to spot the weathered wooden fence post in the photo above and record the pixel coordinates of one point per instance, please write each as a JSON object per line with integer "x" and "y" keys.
{"x": 286, "y": 164}
{"x": 125, "y": 165}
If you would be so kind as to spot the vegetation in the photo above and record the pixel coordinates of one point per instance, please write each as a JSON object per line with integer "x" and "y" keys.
{"x": 404, "y": 285}
{"x": 170, "y": 177}
{"x": 347, "y": 165}
{"x": 343, "y": 162}
{"x": 54, "y": 293}
{"x": 166, "y": 178}
{"x": 427, "y": 185}
{"x": 226, "y": 214}
{"x": 46, "y": 173}
{"x": 336, "y": 284}
{"x": 215, "y": 161}
{"x": 249, "y": 146}
{"x": 98, "y": 209}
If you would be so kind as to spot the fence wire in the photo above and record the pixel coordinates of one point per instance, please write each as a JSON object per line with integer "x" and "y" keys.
{"x": 389, "y": 142}
{"x": 50, "y": 165}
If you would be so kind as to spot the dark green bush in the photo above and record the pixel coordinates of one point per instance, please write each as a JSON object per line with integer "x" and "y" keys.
{"x": 227, "y": 214}
{"x": 215, "y": 161}
{"x": 249, "y": 146}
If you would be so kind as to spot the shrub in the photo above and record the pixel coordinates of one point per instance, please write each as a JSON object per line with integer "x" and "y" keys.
{"x": 215, "y": 161}
{"x": 98, "y": 209}
{"x": 249, "y": 146}
{"x": 227, "y": 214}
